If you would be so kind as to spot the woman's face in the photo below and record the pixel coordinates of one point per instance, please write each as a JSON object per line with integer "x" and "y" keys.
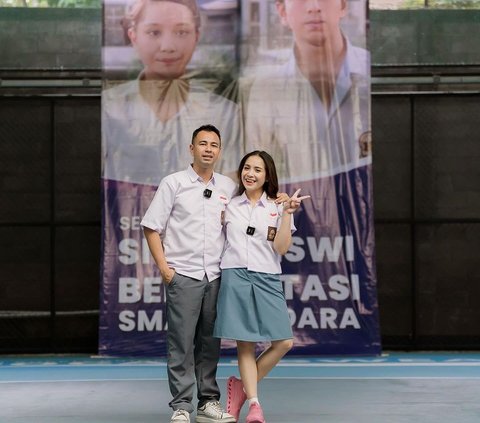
{"x": 165, "y": 38}
{"x": 253, "y": 174}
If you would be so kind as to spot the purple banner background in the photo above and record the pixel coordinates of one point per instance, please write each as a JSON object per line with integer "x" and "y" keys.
{"x": 329, "y": 273}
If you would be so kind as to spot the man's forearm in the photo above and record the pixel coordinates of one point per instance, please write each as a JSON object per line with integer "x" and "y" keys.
{"x": 156, "y": 249}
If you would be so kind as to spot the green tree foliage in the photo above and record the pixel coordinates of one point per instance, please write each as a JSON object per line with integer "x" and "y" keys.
{"x": 455, "y": 4}
{"x": 441, "y": 4}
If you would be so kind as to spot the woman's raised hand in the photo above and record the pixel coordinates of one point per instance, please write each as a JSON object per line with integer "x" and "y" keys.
{"x": 293, "y": 203}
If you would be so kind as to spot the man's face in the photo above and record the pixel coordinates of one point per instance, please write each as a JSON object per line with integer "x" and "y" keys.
{"x": 165, "y": 38}
{"x": 312, "y": 21}
{"x": 205, "y": 149}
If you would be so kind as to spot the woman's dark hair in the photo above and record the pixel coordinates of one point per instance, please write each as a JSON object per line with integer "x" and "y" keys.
{"x": 271, "y": 180}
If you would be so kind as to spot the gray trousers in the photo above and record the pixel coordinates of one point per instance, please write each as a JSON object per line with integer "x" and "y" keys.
{"x": 193, "y": 352}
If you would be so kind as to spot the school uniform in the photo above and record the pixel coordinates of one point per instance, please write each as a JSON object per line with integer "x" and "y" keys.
{"x": 139, "y": 148}
{"x": 188, "y": 215}
{"x": 286, "y": 117}
{"x": 251, "y": 304}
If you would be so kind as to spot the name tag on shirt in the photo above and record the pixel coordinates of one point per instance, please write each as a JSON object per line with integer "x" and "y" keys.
{"x": 271, "y": 232}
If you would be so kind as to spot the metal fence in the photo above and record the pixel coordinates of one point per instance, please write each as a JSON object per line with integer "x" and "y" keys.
{"x": 427, "y": 208}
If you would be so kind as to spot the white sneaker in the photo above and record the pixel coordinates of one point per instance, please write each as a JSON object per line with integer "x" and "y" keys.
{"x": 180, "y": 416}
{"x": 212, "y": 412}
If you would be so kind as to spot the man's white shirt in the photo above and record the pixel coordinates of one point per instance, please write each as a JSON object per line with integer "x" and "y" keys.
{"x": 286, "y": 117}
{"x": 189, "y": 223}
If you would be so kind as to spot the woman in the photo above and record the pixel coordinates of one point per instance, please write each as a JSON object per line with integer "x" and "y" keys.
{"x": 146, "y": 121}
{"x": 251, "y": 304}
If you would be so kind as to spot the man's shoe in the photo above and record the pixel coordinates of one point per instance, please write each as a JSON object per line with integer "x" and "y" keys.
{"x": 236, "y": 396}
{"x": 180, "y": 416}
{"x": 212, "y": 412}
{"x": 255, "y": 414}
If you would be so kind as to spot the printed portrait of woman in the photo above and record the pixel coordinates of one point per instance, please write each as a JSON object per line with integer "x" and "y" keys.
{"x": 148, "y": 121}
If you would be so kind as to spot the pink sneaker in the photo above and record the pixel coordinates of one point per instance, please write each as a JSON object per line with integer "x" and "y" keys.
{"x": 236, "y": 397}
{"x": 255, "y": 414}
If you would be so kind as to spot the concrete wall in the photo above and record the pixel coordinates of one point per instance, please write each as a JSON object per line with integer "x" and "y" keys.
{"x": 72, "y": 38}
{"x": 50, "y": 38}
{"x": 404, "y": 37}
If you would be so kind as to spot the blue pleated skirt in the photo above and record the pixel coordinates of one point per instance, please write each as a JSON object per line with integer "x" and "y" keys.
{"x": 251, "y": 307}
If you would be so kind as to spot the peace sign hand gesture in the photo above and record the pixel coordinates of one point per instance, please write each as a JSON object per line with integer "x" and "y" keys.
{"x": 290, "y": 206}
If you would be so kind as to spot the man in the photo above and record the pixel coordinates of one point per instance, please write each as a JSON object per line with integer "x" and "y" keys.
{"x": 312, "y": 113}
{"x": 183, "y": 228}
{"x": 142, "y": 123}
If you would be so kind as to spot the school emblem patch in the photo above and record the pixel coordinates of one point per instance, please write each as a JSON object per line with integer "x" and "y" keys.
{"x": 365, "y": 144}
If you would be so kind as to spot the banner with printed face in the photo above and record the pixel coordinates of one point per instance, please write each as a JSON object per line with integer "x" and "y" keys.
{"x": 288, "y": 77}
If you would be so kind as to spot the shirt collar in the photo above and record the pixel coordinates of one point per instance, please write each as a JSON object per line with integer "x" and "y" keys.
{"x": 354, "y": 62}
{"x": 132, "y": 87}
{"x": 353, "y": 68}
{"x": 261, "y": 202}
{"x": 194, "y": 175}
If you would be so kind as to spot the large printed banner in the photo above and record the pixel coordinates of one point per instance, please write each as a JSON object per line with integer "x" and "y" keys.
{"x": 289, "y": 77}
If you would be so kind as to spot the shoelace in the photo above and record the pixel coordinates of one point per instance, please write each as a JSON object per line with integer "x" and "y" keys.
{"x": 230, "y": 392}
{"x": 230, "y": 387}
{"x": 216, "y": 405}
{"x": 181, "y": 413}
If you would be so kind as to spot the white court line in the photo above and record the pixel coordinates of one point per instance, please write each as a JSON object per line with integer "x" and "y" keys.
{"x": 85, "y": 380}
{"x": 376, "y": 377}
{"x": 475, "y": 364}
{"x": 294, "y": 365}
{"x": 267, "y": 378}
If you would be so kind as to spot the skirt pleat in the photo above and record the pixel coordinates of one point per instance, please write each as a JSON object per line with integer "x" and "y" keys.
{"x": 251, "y": 307}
